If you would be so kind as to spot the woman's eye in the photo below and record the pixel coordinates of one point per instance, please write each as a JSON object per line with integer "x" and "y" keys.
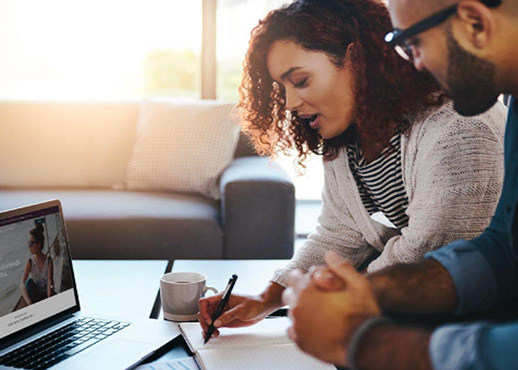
{"x": 414, "y": 42}
{"x": 301, "y": 83}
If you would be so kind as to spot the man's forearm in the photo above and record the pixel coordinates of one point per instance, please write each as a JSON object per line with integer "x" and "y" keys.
{"x": 394, "y": 347}
{"x": 424, "y": 287}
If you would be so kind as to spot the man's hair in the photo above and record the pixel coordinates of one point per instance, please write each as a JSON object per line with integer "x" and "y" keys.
{"x": 427, "y": 7}
{"x": 437, "y": 5}
{"x": 389, "y": 89}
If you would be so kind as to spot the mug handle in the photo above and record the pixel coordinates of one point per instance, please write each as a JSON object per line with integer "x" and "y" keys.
{"x": 207, "y": 288}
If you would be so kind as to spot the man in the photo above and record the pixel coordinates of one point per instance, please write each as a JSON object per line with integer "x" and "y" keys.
{"x": 470, "y": 47}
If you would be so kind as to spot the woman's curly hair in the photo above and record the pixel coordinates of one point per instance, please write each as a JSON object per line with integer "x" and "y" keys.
{"x": 388, "y": 89}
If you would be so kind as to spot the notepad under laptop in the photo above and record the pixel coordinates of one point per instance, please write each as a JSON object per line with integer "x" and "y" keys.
{"x": 265, "y": 345}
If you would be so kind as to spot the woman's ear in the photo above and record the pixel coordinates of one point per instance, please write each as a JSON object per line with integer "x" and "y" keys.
{"x": 350, "y": 53}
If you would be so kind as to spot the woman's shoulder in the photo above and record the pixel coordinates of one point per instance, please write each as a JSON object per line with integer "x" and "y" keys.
{"x": 443, "y": 120}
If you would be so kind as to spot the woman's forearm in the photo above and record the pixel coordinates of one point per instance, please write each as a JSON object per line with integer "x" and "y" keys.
{"x": 272, "y": 296}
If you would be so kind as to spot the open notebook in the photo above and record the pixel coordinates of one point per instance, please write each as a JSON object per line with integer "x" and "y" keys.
{"x": 262, "y": 346}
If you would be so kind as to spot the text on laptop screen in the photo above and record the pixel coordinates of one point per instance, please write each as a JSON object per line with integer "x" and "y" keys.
{"x": 35, "y": 275}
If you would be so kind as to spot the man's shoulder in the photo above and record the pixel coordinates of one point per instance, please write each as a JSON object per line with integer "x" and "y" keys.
{"x": 513, "y": 108}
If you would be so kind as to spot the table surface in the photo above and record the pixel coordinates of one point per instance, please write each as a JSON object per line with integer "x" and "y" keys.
{"x": 253, "y": 275}
{"x": 128, "y": 287}
{"x": 131, "y": 287}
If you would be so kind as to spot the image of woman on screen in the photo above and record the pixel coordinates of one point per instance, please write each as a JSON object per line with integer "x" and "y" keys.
{"x": 320, "y": 80}
{"x": 37, "y": 278}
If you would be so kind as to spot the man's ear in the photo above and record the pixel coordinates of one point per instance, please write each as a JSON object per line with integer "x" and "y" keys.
{"x": 476, "y": 23}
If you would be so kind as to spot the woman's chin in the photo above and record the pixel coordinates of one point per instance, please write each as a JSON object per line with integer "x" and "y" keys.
{"x": 331, "y": 132}
{"x": 328, "y": 135}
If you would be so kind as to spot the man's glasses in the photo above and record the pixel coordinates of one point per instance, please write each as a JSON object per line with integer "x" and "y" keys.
{"x": 399, "y": 38}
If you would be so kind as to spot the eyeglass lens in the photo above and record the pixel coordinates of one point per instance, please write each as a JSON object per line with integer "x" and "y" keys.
{"x": 404, "y": 52}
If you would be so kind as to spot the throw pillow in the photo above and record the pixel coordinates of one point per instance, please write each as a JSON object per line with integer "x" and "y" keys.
{"x": 182, "y": 146}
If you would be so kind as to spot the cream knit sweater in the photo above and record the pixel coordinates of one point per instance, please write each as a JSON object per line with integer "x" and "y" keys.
{"x": 452, "y": 172}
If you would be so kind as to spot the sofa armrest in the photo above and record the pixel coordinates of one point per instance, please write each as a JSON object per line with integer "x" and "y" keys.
{"x": 257, "y": 210}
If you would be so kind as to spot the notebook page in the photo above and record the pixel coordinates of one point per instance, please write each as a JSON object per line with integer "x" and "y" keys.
{"x": 282, "y": 356}
{"x": 267, "y": 332}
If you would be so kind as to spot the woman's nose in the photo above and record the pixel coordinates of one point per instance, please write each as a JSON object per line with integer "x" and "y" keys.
{"x": 293, "y": 101}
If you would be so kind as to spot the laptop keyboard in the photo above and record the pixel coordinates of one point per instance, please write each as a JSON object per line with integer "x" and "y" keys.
{"x": 62, "y": 343}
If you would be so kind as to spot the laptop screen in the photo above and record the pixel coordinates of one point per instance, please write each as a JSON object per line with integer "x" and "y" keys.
{"x": 36, "y": 280}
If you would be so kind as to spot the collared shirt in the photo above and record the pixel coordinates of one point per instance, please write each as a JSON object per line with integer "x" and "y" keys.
{"x": 485, "y": 273}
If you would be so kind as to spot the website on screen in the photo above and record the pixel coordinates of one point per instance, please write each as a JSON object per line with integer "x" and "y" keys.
{"x": 35, "y": 274}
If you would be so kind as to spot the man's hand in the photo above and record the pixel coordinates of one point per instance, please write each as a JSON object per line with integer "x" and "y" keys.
{"x": 324, "y": 279}
{"x": 422, "y": 287}
{"x": 323, "y": 321}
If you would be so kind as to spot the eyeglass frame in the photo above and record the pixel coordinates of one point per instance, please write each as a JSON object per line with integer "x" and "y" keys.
{"x": 398, "y": 38}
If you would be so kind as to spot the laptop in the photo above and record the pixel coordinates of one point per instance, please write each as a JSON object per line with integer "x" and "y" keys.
{"x": 41, "y": 325}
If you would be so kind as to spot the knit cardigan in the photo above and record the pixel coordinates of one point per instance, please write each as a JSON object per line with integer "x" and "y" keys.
{"x": 452, "y": 172}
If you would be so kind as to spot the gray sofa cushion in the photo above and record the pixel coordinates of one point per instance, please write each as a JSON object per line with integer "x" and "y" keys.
{"x": 244, "y": 147}
{"x": 123, "y": 224}
{"x": 258, "y": 210}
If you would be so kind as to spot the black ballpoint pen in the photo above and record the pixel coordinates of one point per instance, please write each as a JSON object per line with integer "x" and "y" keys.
{"x": 221, "y": 306}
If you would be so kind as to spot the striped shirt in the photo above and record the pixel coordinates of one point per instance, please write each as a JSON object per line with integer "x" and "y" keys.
{"x": 380, "y": 182}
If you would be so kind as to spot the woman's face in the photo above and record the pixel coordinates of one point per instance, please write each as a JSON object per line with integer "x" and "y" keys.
{"x": 321, "y": 93}
{"x": 34, "y": 246}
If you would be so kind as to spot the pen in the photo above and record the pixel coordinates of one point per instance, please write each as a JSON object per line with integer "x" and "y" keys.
{"x": 221, "y": 306}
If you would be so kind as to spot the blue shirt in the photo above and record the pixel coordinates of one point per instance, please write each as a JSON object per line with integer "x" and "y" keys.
{"x": 485, "y": 273}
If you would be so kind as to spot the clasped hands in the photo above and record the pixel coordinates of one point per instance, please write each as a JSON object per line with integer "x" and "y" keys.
{"x": 326, "y": 306}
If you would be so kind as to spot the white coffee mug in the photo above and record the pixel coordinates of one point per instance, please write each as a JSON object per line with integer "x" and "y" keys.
{"x": 179, "y": 292}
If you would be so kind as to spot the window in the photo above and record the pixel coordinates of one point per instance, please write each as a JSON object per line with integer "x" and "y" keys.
{"x": 235, "y": 21}
{"x": 120, "y": 50}
{"x": 99, "y": 49}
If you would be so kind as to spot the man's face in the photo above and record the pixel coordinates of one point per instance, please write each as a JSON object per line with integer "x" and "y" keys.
{"x": 466, "y": 78}
{"x": 471, "y": 80}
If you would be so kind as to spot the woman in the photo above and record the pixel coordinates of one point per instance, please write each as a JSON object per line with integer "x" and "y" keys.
{"x": 37, "y": 278}
{"x": 319, "y": 78}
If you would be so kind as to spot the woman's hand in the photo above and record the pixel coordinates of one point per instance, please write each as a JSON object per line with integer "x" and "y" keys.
{"x": 241, "y": 310}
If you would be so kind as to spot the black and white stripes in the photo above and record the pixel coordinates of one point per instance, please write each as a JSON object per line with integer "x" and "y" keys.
{"x": 380, "y": 182}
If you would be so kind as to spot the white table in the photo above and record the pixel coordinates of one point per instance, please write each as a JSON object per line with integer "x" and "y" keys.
{"x": 117, "y": 287}
{"x": 253, "y": 275}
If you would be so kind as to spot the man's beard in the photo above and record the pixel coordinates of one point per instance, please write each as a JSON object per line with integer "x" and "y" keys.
{"x": 470, "y": 80}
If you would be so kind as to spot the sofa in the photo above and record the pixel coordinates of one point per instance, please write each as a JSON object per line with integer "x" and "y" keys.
{"x": 79, "y": 153}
